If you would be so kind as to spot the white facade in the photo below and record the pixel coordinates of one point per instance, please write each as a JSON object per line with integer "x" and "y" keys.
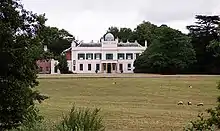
{"x": 107, "y": 56}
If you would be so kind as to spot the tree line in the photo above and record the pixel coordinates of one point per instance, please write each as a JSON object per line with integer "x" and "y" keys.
{"x": 170, "y": 51}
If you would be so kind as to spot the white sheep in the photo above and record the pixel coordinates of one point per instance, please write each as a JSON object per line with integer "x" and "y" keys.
{"x": 180, "y": 103}
{"x": 189, "y": 103}
{"x": 200, "y": 104}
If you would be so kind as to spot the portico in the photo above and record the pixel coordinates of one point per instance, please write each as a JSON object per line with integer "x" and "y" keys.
{"x": 109, "y": 67}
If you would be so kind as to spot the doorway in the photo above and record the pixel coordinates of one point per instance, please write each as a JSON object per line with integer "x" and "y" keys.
{"x": 109, "y": 68}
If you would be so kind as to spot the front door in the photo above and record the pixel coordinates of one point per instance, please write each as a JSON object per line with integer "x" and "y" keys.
{"x": 109, "y": 68}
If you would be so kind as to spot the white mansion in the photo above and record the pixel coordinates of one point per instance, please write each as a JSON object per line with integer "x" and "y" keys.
{"x": 106, "y": 56}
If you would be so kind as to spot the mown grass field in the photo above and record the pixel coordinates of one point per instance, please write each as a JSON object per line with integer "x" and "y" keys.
{"x": 132, "y": 104}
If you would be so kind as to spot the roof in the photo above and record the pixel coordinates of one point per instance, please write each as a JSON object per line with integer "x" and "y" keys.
{"x": 100, "y": 45}
{"x": 90, "y": 45}
{"x": 129, "y": 45}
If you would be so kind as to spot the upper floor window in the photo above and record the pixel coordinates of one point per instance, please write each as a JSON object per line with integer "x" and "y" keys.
{"x": 81, "y": 56}
{"x": 98, "y": 56}
{"x": 129, "y": 56}
{"x": 109, "y": 56}
{"x": 89, "y": 56}
{"x": 121, "y": 56}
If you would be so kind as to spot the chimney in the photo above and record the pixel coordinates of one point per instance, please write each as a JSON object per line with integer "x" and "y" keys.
{"x": 145, "y": 44}
{"x": 45, "y": 48}
{"x": 73, "y": 44}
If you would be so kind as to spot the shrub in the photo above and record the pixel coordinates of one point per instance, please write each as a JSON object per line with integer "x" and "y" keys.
{"x": 32, "y": 121}
{"x": 82, "y": 120}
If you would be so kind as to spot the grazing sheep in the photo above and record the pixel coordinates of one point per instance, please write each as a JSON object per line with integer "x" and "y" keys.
{"x": 180, "y": 103}
{"x": 190, "y": 86}
{"x": 200, "y": 104}
{"x": 114, "y": 82}
{"x": 189, "y": 103}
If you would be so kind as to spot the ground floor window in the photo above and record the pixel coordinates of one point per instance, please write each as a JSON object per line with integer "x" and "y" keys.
{"x": 113, "y": 66}
{"x": 129, "y": 67}
{"x": 104, "y": 66}
{"x": 97, "y": 67}
{"x": 81, "y": 67}
{"x": 120, "y": 67}
{"x": 74, "y": 68}
{"x": 89, "y": 67}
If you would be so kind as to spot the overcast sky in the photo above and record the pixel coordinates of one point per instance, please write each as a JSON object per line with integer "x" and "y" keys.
{"x": 89, "y": 19}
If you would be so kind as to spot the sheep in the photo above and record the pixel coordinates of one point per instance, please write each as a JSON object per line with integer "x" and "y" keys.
{"x": 190, "y": 86}
{"x": 180, "y": 103}
{"x": 200, "y": 104}
{"x": 114, "y": 82}
{"x": 189, "y": 103}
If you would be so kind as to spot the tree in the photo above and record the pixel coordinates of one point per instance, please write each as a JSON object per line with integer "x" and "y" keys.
{"x": 123, "y": 34}
{"x": 63, "y": 65}
{"x": 57, "y": 40}
{"x": 19, "y": 50}
{"x": 169, "y": 53}
{"x": 145, "y": 31}
{"x": 203, "y": 33}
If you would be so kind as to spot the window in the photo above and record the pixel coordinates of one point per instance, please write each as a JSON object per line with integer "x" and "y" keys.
{"x": 98, "y": 56}
{"x": 129, "y": 67}
{"x": 74, "y": 62}
{"x": 104, "y": 66}
{"x": 113, "y": 66}
{"x": 137, "y": 55}
{"x": 121, "y": 56}
{"x": 74, "y": 68}
{"x": 81, "y": 67}
{"x": 129, "y": 56}
{"x": 47, "y": 68}
{"x": 97, "y": 67}
{"x": 109, "y": 56}
{"x": 121, "y": 67}
{"x": 89, "y": 56}
{"x": 81, "y": 56}
{"x": 89, "y": 67}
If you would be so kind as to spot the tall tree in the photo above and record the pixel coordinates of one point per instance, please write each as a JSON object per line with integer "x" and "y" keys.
{"x": 57, "y": 40}
{"x": 63, "y": 65}
{"x": 114, "y": 30}
{"x": 19, "y": 42}
{"x": 123, "y": 34}
{"x": 145, "y": 31}
{"x": 202, "y": 33}
{"x": 169, "y": 53}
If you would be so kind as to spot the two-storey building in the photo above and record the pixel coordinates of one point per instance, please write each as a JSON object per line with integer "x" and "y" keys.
{"x": 106, "y": 56}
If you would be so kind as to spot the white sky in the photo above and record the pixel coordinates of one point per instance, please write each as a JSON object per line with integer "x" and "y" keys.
{"x": 89, "y": 19}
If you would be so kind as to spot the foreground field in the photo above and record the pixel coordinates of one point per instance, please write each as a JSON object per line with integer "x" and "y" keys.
{"x": 132, "y": 104}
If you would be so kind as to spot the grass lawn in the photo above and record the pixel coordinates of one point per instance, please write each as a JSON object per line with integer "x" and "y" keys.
{"x": 132, "y": 104}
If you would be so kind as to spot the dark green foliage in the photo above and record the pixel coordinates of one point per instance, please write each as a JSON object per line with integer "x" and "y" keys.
{"x": 143, "y": 31}
{"x": 19, "y": 44}
{"x": 32, "y": 121}
{"x": 82, "y": 120}
{"x": 203, "y": 33}
{"x": 170, "y": 52}
{"x": 63, "y": 65}
{"x": 56, "y": 40}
